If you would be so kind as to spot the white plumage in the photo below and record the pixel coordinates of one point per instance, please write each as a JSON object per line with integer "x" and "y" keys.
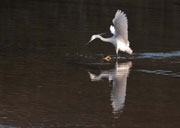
{"x": 120, "y": 33}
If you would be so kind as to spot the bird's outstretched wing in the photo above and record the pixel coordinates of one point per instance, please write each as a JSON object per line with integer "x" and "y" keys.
{"x": 112, "y": 29}
{"x": 121, "y": 25}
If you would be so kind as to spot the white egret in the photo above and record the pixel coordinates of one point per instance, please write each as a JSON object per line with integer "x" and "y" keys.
{"x": 120, "y": 34}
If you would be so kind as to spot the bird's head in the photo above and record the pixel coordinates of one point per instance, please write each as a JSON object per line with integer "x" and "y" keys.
{"x": 94, "y": 37}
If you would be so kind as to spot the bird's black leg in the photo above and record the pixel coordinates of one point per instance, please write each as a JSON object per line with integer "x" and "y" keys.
{"x": 117, "y": 55}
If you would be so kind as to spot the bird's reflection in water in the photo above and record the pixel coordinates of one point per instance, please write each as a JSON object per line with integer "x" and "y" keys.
{"x": 118, "y": 75}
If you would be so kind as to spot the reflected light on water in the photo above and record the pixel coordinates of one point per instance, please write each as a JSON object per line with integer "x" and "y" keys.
{"x": 118, "y": 75}
{"x": 161, "y": 72}
{"x": 159, "y": 55}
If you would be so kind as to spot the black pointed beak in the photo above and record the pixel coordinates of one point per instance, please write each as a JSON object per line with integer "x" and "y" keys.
{"x": 88, "y": 42}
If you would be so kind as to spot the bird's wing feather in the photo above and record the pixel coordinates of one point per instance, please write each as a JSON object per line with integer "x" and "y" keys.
{"x": 112, "y": 29}
{"x": 121, "y": 25}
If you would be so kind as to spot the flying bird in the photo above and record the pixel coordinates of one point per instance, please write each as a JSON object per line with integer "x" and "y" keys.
{"x": 120, "y": 34}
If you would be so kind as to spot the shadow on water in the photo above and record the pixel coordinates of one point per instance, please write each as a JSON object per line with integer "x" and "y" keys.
{"x": 118, "y": 77}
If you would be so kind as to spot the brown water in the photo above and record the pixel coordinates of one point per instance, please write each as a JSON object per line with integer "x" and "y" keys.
{"x": 49, "y": 79}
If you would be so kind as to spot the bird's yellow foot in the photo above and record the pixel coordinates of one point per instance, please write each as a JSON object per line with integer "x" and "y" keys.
{"x": 107, "y": 58}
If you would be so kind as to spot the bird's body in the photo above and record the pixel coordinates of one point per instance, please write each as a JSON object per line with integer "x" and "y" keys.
{"x": 120, "y": 34}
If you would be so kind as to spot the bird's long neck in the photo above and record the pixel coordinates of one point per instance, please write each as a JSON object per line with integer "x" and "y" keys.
{"x": 104, "y": 39}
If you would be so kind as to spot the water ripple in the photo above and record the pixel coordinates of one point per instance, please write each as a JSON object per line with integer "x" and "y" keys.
{"x": 158, "y": 55}
{"x": 147, "y": 55}
{"x": 161, "y": 72}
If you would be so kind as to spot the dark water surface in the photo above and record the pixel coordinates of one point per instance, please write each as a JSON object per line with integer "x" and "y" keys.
{"x": 49, "y": 79}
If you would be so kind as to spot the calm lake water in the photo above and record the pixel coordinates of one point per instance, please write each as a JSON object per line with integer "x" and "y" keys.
{"x": 49, "y": 79}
